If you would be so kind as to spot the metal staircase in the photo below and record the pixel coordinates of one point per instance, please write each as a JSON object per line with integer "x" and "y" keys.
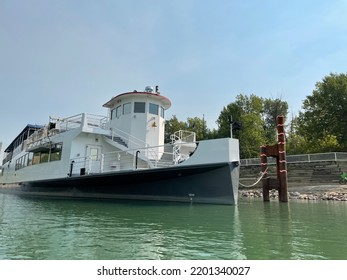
{"x": 118, "y": 140}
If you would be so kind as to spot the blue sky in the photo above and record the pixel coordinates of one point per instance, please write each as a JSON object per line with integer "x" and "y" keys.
{"x": 61, "y": 58}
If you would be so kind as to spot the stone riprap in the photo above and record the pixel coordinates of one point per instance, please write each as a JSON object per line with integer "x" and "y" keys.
{"x": 319, "y": 195}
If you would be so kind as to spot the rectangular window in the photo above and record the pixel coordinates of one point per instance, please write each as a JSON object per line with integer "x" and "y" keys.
{"x": 36, "y": 158}
{"x": 94, "y": 153}
{"x": 113, "y": 114}
{"x": 30, "y": 160}
{"x": 44, "y": 157}
{"x": 153, "y": 109}
{"x": 139, "y": 107}
{"x": 25, "y": 160}
{"x": 126, "y": 108}
{"x": 162, "y": 110}
{"x": 55, "y": 156}
{"x": 56, "y": 152}
{"x": 118, "y": 111}
{"x": 17, "y": 166}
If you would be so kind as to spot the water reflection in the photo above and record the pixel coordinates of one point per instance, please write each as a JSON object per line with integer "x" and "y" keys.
{"x": 295, "y": 230}
{"x": 81, "y": 229}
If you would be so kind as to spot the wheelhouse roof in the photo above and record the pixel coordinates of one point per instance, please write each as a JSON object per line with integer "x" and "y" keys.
{"x": 166, "y": 101}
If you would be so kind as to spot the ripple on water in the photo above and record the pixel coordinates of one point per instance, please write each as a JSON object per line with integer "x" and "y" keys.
{"x": 82, "y": 229}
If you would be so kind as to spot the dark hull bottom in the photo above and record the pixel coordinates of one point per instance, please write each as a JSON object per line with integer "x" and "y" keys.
{"x": 212, "y": 183}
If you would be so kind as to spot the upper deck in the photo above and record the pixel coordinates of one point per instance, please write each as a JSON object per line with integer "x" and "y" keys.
{"x": 34, "y": 136}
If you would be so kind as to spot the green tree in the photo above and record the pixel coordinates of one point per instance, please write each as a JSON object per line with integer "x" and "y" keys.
{"x": 171, "y": 126}
{"x": 296, "y": 142}
{"x": 271, "y": 109}
{"x": 327, "y": 143}
{"x": 248, "y": 110}
{"x": 251, "y": 135}
{"x": 198, "y": 126}
{"x": 223, "y": 120}
{"x": 324, "y": 115}
{"x": 257, "y": 115}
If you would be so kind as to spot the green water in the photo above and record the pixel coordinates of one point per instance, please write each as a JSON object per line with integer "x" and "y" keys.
{"x": 32, "y": 228}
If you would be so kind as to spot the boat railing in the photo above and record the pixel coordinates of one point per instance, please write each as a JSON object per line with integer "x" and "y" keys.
{"x": 153, "y": 153}
{"x": 184, "y": 144}
{"x": 98, "y": 121}
{"x": 59, "y": 125}
{"x": 76, "y": 121}
{"x": 38, "y": 138}
{"x": 131, "y": 142}
{"x": 65, "y": 124}
{"x": 131, "y": 159}
{"x": 183, "y": 136}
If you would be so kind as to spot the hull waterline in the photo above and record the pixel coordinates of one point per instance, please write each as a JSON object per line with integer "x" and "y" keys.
{"x": 205, "y": 183}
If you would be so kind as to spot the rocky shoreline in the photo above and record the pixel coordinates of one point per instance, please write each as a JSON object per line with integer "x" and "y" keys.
{"x": 334, "y": 193}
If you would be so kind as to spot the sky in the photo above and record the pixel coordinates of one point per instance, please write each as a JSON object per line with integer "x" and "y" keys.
{"x": 64, "y": 57}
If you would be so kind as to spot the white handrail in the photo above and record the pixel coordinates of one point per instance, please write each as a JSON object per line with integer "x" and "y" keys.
{"x": 125, "y": 160}
{"x": 183, "y": 135}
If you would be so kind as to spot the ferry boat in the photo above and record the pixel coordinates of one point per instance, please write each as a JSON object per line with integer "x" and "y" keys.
{"x": 121, "y": 156}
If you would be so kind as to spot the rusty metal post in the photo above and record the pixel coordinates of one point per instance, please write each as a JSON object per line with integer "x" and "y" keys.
{"x": 263, "y": 165}
{"x": 281, "y": 161}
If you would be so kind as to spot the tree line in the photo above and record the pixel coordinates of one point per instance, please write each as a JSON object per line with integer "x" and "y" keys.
{"x": 321, "y": 125}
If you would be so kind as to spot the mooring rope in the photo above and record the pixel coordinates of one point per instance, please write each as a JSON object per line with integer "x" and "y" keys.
{"x": 261, "y": 175}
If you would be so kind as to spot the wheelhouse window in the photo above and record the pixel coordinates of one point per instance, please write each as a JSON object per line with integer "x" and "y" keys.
{"x": 162, "y": 110}
{"x": 113, "y": 113}
{"x": 118, "y": 111}
{"x": 126, "y": 108}
{"x": 153, "y": 109}
{"x": 139, "y": 107}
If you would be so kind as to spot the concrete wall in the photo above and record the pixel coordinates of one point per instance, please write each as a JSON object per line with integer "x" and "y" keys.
{"x": 299, "y": 174}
